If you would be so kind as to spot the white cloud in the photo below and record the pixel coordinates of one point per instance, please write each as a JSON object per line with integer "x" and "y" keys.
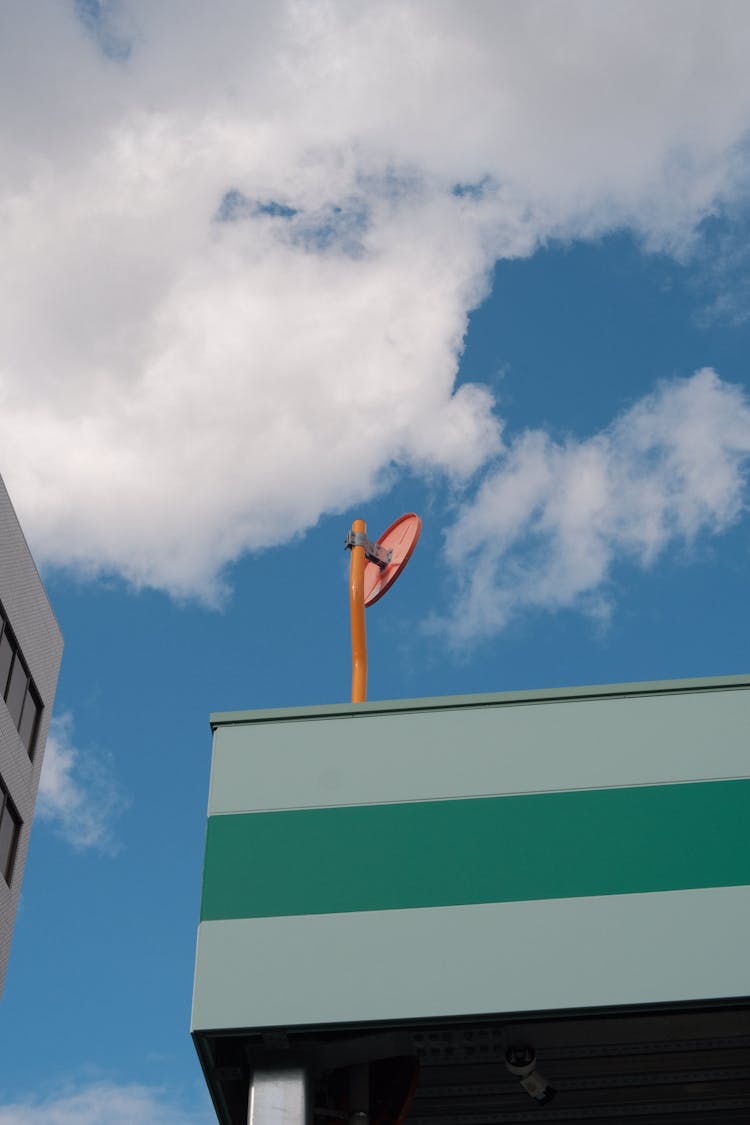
{"x": 115, "y": 1104}
{"x": 551, "y": 520}
{"x": 176, "y": 390}
{"x": 78, "y": 796}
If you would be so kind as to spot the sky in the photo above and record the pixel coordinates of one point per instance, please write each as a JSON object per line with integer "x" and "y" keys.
{"x": 268, "y": 268}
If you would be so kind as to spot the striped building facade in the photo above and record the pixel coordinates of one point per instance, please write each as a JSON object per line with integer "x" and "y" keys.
{"x": 469, "y": 859}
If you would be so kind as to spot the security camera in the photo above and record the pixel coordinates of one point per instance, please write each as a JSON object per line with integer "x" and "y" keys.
{"x": 521, "y": 1061}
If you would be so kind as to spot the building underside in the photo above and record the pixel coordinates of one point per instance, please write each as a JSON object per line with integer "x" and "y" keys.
{"x": 687, "y": 1065}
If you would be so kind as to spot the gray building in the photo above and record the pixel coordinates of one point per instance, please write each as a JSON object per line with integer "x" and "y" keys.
{"x": 30, "y": 651}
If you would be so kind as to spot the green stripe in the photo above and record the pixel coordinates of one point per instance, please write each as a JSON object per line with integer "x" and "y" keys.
{"x": 487, "y": 849}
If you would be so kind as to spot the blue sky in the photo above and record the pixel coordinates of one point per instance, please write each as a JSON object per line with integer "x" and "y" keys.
{"x": 199, "y": 396}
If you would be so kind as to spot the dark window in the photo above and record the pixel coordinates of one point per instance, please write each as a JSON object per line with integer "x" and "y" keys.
{"x": 10, "y": 827}
{"x": 6, "y": 659}
{"x": 16, "y": 692}
{"x": 29, "y": 718}
{"x": 17, "y": 687}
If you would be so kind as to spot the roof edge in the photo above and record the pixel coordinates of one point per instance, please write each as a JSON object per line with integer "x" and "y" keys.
{"x": 487, "y": 699}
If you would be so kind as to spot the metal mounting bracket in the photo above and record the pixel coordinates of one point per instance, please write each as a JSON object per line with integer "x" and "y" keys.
{"x": 373, "y": 551}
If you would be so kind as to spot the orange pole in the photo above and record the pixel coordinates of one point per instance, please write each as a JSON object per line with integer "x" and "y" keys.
{"x": 357, "y": 612}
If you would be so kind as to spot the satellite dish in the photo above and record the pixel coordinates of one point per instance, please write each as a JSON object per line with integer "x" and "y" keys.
{"x": 373, "y": 570}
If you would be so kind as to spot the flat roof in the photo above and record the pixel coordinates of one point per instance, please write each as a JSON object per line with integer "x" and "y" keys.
{"x": 486, "y": 699}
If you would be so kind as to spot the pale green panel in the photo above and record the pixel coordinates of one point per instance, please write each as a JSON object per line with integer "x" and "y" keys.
{"x": 512, "y": 746}
{"x": 469, "y": 960}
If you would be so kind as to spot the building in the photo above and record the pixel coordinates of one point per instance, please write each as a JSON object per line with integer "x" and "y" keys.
{"x": 453, "y": 911}
{"x": 30, "y": 652}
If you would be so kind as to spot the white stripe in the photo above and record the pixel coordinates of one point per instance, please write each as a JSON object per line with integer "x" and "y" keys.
{"x": 471, "y": 960}
{"x": 481, "y": 751}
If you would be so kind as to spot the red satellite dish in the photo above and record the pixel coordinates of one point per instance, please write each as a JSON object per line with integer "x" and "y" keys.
{"x": 400, "y": 539}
